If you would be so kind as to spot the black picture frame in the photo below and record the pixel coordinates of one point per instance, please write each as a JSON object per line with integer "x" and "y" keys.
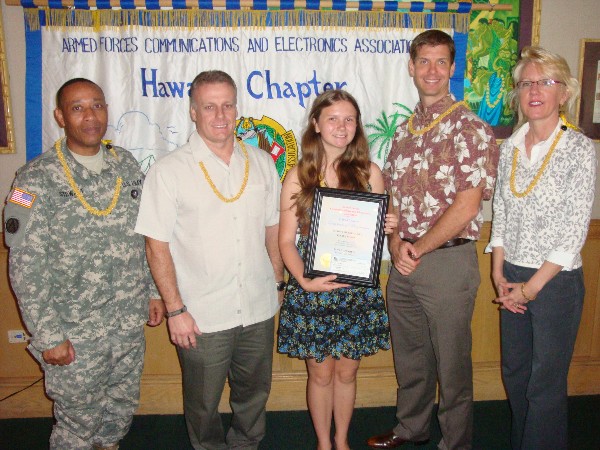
{"x": 372, "y": 208}
{"x": 589, "y": 80}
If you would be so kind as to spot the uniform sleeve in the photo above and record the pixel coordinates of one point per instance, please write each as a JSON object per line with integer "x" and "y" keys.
{"x": 148, "y": 279}
{"x": 152, "y": 289}
{"x": 27, "y": 235}
{"x": 578, "y": 204}
{"x": 158, "y": 208}
{"x": 478, "y": 158}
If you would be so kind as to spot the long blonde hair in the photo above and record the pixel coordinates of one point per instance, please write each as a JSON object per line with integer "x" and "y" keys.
{"x": 554, "y": 67}
{"x": 352, "y": 167}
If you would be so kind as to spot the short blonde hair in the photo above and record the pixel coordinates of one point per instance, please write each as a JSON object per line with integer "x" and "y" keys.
{"x": 552, "y": 66}
{"x": 211, "y": 77}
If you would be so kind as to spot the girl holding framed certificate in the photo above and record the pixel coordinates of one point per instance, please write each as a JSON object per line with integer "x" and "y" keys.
{"x": 328, "y": 324}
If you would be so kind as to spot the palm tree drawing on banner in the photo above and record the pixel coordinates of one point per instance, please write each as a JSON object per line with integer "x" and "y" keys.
{"x": 380, "y": 141}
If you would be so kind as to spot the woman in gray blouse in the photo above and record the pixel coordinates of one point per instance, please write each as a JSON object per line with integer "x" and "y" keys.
{"x": 542, "y": 207}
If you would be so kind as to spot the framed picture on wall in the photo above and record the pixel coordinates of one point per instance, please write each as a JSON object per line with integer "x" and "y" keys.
{"x": 588, "y": 109}
{"x": 7, "y": 143}
{"x": 496, "y": 39}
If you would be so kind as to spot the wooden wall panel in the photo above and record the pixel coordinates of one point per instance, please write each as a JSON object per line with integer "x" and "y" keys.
{"x": 161, "y": 383}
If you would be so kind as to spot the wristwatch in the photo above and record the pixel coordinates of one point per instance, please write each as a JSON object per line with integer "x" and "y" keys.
{"x": 281, "y": 285}
{"x": 176, "y": 312}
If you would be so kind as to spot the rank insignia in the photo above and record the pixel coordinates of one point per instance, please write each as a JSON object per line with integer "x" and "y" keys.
{"x": 22, "y": 198}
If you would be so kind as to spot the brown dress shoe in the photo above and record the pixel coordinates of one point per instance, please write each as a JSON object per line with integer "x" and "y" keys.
{"x": 386, "y": 440}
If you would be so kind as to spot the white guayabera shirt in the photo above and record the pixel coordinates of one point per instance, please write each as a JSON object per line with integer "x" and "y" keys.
{"x": 223, "y": 269}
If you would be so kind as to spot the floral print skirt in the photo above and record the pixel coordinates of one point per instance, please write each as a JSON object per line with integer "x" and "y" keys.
{"x": 350, "y": 322}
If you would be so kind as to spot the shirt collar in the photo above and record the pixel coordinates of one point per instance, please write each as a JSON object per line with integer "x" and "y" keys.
{"x": 79, "y": 169}
{"x": 201, "y": 152}
{"x": 540, "y": 149}
{"x": 437, "y": 108}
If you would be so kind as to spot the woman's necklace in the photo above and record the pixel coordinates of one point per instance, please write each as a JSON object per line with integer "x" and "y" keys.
{"x": 244, "y": 182}
{"x": 434, "y": 122}
{"x": 323, "y": 176}
{"x": 540, "y": 172}
{"x": 75, "y": 188}
{"x": 323, "y": 180}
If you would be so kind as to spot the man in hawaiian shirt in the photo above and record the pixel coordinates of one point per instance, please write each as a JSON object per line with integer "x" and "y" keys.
{"x": 441, "y": 166}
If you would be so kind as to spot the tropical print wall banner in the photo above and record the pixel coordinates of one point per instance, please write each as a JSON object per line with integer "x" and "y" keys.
{"x": 281, "y": 58}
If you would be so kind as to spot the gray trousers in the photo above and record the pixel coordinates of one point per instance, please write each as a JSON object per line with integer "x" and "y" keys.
{"x": 244, "y": 355}
{"x": 430, "y": 315}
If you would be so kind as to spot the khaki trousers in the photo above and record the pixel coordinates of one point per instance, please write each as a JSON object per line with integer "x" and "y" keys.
{"x": 430, "y": 315}
{"x": 244, "y": 355}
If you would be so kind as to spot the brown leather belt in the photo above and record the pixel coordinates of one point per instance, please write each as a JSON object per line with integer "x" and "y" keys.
{"x": 451, "y": 243}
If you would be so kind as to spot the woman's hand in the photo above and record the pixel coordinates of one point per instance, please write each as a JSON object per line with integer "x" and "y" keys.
{"x": 391, "y": 223}
{"x": 500, "y": 282}
{"x": 321, "y": 284}
{"x": 512, "y": 298}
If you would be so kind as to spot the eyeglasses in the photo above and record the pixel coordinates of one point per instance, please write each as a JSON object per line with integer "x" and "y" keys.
{"x": 543, "y": 84}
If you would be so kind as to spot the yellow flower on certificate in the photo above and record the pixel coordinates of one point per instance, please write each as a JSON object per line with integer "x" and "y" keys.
{"x": 325, "y": 260}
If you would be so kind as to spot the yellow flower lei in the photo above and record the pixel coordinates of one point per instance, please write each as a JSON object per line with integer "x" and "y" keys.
{"x": 434, "y": 122}
{"x": 540, "y": 172}
{"x": 75, "y": 188}
{"x": 244, "y": 182}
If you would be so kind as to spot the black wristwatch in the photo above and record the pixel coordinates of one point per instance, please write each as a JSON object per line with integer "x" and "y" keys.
{"x": 281, "y": 285}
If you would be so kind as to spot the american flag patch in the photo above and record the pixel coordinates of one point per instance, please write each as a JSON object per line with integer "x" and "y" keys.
{"x": 21, "y": 197}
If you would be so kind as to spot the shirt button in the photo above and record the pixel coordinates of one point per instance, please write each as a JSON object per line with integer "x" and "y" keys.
{"x": 239, "y": 311}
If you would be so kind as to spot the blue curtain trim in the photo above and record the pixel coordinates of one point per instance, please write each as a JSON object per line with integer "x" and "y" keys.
{"x": 417, "y": 6}
{"x": 33, "y": 92}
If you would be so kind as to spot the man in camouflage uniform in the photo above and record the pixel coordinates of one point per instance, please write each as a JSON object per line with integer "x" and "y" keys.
{"x": 80, "y": 274}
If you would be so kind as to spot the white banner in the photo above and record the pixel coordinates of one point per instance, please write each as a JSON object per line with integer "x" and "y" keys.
{"x": 146, "y": 72}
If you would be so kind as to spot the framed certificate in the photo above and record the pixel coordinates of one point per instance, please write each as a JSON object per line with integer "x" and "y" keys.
{"x": 346, "y": 235}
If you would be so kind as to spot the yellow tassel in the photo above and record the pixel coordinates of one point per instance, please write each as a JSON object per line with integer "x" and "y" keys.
{"x": 32, "y": 19}
{"x": 197, "y": 18}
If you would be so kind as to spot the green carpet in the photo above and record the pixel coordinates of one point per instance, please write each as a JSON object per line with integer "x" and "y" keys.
{"x": 293, "y": 430}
